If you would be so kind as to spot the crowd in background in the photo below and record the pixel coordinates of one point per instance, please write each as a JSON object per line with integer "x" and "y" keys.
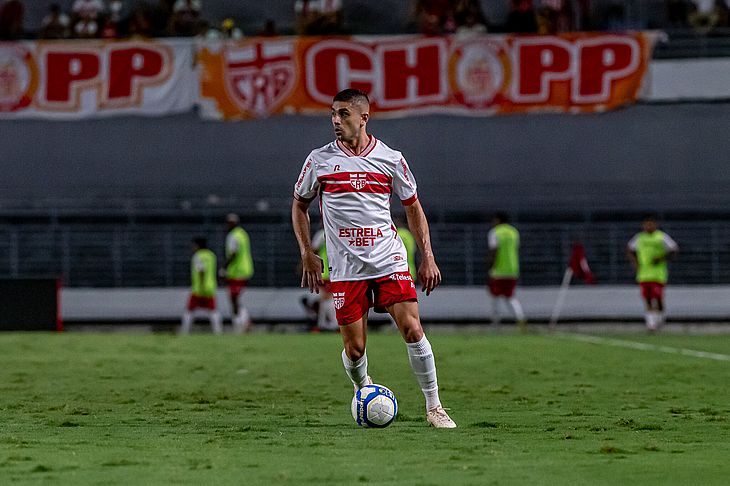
{"x": 111, "y": 19}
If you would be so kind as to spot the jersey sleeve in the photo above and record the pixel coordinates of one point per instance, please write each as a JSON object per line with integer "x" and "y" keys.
{"x": 492, "y": 240}
{"x": 231, "y": 244}
{"x": 198, "y": 264}
{"x": 404, "y": 184}
{"x": 307, "y": 185}
{"x": 633, "y": 242}
{"x": 669, "y": 243}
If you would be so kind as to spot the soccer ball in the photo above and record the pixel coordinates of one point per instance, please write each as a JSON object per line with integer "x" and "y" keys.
{"x": 374, "y": 406}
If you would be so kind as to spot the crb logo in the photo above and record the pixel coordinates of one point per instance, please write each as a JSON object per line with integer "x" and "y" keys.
{"x": 260, "y": 75}
{"x": 358, "y": 180}
{"x": 338, "y": 299}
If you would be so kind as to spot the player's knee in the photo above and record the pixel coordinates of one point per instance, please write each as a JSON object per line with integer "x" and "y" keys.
{"x": 412, "y": 331}
{"x": 354, "y": 351}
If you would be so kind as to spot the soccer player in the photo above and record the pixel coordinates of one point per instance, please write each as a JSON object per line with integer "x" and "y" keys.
{"x": 239, "y": 270}
{"x": 204, "y": 285}
{"x": 504, "y": 267}
{"x": 355, "y": 176}
{"x": 648, "y": 253}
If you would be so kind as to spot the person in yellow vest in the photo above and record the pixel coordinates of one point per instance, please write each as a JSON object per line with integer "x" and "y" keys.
{"x": 648, "y": 252}
{"x": 203, "y": 288}
{"x": 238, "y": 271}
{"x": 326, "y": 314}
{"x": 504, "y": 268}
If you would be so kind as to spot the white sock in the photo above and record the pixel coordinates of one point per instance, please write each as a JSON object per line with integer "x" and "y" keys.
{"x": 517, "y": 309}
{"x": 424, "y": 368}
{"x": 216, "y": 323}
{"x": 356, "y": 370}
{"x": 651, "y": 320}
{"x": 187, "y": 322}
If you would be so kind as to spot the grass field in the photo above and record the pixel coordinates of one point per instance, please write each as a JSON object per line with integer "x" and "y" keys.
{"x": 274, "y": 409}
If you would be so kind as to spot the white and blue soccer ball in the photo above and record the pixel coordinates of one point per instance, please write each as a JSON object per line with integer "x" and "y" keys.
{"x": 374, "y": 406}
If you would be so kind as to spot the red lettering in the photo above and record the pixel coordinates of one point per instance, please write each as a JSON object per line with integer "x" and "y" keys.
{"x": 335, "y": 65}
{"x": 602, "y": 62}
{"x": 539, "y": 62}
{"x": 411, "y": 73}
{"x": 127, "y": 66}
{"x": 63, "y": 69}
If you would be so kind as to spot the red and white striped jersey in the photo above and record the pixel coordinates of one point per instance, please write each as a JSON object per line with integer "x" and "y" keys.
{"x": 354, "y": 191}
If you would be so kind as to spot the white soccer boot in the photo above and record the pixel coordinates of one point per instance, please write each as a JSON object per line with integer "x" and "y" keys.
{"x": 438, "y": 418}
{"x": 370, "y": 382}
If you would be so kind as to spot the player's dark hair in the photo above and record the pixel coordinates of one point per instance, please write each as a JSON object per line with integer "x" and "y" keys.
{"x": 501, "y": 216}
{"x": 352, "y": 95}
{"x": 201, "y": 242}
{"x": 650, "y": 217}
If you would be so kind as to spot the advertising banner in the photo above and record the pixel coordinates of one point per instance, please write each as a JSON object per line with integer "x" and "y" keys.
{"x": 481, "y": 75}
{"x": 85, "y": 79}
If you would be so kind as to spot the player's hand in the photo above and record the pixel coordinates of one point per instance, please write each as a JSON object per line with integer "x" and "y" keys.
{"x": 312, "y": 272}
{"x": 429, "y": 274}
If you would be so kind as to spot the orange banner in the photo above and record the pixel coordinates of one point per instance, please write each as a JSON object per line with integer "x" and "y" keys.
{"x": 483, "y": 75}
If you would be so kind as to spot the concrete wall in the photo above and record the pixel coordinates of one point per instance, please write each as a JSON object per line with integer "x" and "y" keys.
{"x": 661, "y": 156}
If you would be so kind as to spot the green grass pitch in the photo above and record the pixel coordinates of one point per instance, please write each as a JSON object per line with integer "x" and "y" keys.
{"x": 275, "y": 409}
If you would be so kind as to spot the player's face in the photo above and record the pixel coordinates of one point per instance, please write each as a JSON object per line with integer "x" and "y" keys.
{"x": 347, "y": 120}
{"x": 649, "y": 226}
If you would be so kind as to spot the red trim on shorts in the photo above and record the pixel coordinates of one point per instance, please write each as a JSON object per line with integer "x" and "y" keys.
{"x": 410, "y": 200}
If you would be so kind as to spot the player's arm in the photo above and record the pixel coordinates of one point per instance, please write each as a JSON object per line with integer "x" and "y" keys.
{"x": 428, "y": 271}
{"x": 311, "y": 263}
{"x": 631, "y": 252}
{"x": 492, "y": 246}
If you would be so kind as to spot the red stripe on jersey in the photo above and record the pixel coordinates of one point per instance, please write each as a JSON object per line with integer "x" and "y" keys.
{"x": 348, "y": 176}
{"x": 410, "y": 200}
{"x": 371, "y": 188}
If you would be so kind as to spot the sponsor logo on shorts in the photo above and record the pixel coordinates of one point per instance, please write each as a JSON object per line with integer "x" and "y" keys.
{"x": 399, "y": 276}
{"x": 338, "y": 299}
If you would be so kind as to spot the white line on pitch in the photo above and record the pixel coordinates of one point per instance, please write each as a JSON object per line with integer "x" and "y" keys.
{"x": 644, "y": 346}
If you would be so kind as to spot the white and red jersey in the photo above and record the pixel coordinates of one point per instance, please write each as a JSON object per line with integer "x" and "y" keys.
{"x": 354, "y": 191}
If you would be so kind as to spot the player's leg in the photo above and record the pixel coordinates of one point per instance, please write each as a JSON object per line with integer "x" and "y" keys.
{"x": 494, "y": 294}
{"x": 514, "y": 303}
{"x": 649, "y": 318}
{"x": 421, "y": 358}
{"x": 216, "y": 321}
{"x": 351, "y": 300}
{"x": 354, "y": 355}
{"x": 186, "y": 323}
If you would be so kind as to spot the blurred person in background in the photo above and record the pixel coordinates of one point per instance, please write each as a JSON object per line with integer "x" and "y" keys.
{"x": 503, "y": 262}
{"x": 141, "y": 22}
{"x": 433, "y": 17}
{"x": 269, "y": 29}
{"x": 521, "y": 18}
{"x": 202, "y": 289}
{"x": 238, "y": 271}
{"x": 112, "y": 27}
{"x": 704, "y": 15}
{"x": 11, "y": 20}
{"x": 648, "y": 252}
{"x": 186, "y": 19}
{"x": 86, "y": 17}
{"x": 56, "y": 24}
{"x": 326, "y": 313}
{"x": 318, "y": 17}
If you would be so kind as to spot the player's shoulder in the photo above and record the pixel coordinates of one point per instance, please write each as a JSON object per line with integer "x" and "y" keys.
{"x": 327, "y": 150}
{"x": 384, "y": 149}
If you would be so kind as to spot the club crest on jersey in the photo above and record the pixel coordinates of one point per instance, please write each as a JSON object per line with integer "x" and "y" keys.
{"x": 338, "y": 299}
{"x": 358, "y": 180}
{"x": 259, "y": 76}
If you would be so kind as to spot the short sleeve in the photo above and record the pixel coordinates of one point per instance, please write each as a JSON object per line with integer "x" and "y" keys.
{"x": 198, "y": 264}
{"x": 492, "y": 240}
{"x": 231, "y": 244}
{"x": 307, "y": 185}
{"x": 404, "y": 184}
{"x": 633, "y": 242}
{"x": 669, "y": 243}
